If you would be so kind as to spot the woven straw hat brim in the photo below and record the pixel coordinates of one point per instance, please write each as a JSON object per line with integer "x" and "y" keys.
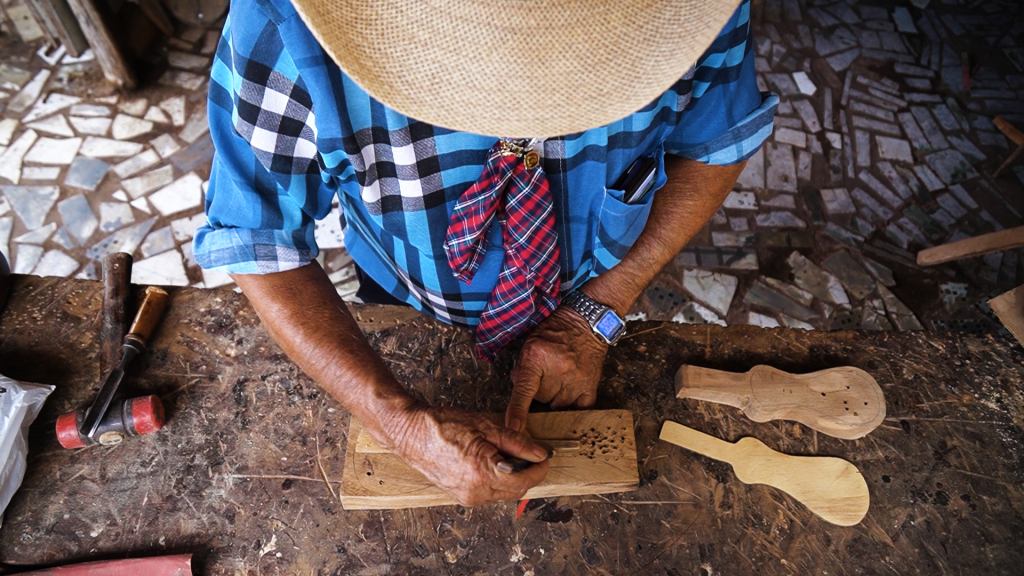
{"x": 515, "y": 68}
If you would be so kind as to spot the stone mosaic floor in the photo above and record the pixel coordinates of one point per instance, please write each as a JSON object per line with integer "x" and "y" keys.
{"x": 879, "y": 151}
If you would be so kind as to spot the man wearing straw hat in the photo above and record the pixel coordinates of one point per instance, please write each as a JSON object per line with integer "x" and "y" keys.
{"x": 496, "y": 163}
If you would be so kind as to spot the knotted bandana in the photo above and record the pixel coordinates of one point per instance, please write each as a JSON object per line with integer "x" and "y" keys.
{"x": 514, "y": 189}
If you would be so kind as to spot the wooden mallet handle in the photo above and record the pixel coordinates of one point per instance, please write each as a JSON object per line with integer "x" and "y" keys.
{"x": 149, "y": 314}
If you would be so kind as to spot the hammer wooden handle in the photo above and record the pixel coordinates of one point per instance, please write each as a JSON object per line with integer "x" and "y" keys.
{"x": 149, "y": 314}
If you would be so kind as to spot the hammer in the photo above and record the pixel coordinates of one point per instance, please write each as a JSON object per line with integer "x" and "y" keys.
{"x": 104, "y": 422}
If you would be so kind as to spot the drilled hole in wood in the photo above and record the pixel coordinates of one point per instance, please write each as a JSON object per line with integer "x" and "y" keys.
{"x": 369, "y": 473}
{"x": 822, "y": 393}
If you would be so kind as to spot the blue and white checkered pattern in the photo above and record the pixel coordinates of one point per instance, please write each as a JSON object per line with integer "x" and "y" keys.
{"x": 293, "y": 132}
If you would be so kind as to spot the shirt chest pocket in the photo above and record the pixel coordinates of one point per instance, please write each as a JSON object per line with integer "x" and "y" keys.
{"x": 620, "y": 224}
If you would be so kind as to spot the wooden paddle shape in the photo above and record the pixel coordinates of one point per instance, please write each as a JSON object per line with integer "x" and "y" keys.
{"x": 843, "y": 402}
{"x": 830, "y": 487}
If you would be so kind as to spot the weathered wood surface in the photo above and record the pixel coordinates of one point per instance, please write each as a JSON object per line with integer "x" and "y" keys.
{"x": 234, "y": 476}
{"x": 1009, "y": 307}
{"x": 603, "y": 463}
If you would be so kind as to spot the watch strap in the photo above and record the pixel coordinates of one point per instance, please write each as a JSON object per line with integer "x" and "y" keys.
{"x": 590, "y": 309}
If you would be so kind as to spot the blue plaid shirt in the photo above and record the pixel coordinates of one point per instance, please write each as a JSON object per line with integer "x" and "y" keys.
{"x": 293, "y": 133}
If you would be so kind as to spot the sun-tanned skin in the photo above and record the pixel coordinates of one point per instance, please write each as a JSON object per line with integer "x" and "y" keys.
{"x": 560, "y": 362}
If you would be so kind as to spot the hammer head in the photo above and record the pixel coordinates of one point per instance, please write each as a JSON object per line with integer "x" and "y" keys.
{"x": 130, "y": 417}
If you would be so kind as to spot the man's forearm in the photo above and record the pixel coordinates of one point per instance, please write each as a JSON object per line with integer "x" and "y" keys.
{"x": 693, "y": 193}
{"x": 303, "y": 313}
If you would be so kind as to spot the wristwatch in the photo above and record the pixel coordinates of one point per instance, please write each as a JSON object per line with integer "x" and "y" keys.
{"x": 602, "y": 319}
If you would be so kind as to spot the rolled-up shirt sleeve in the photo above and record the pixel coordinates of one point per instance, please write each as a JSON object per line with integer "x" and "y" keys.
{"x": 728, "y": 117}
{"x": 266, "y": 186}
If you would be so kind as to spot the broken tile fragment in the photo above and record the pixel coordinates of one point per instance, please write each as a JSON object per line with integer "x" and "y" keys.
{"x": 781, "y": 173}
{"x": 78, "y": 217}
{"x": 850, "y": 273}
{"x": 134, "y": 107}
{"x": 186, "y": 61}
{"x": 175, "y": 108}
{"x": 901, "y": 316}
{"x": 12, "y": 157}
{"x": 756, "y": 319}
{"x": 740, "y": 201}
{"x": 762, "y": 295}
{"x": 60, "y": 151}
{"x": 46, "y": 173}
{"x": 155, "y": 114}
{"x": 149, "y": 181}
{"x": 124, "y": 240}
{"x": 27, "y": 256}
{"x": 880, "y": 189}
{"x": 837, "y": 201}
{"x": 928, "y": 178}
{"x": 791, "y": 137}
{"x": 91, "y": 126}
{"x": 55, "y": 263}
{"x": 53, "y": 103}
{"x": 89, "y": 111}
{"x": 712, "y": 288}
{"x": 127, "y": 127}
{"x": 31, "y": 203}
{"x": 694, "y": 313}
{"x": 780, "y": 219}
{"x": 86, "y": 173}
{"x": 7, "y": 127}
{"x": 792, "y": 292}
{"x": 894, "y": 149}
{"x": 29, "y": 93}
{"x": 56, "y": 125}
{"x": 950, "y": 166}
{"x": 96, "y": 147}
{"x": 182, "y": 79}
{"x": 874, "y": 316}
{"x": 166, "y": 269}
{"x": 810, "y": 277}
{"x": 804, "y": 83}
{"x": 954, "y": 295}
{"x": 141, "y": 204}
{"x": 197, "y": 124}
{"x": 136, "y": 164}
{"x": 37, "y": 236}
{"x": 182, "y": 194}
{"x": 751, "y": 177}
{"x": 114, "y": 216}
{"x": 157, "y": 242}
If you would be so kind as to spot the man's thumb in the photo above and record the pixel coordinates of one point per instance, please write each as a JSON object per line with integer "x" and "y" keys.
{"x": 525, "y": 383}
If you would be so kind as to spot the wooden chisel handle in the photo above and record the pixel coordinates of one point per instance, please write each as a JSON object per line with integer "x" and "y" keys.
{"x": 149, "y": 315}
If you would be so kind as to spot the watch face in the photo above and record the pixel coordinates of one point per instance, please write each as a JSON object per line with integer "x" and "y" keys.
{"x": 610, "y": 326}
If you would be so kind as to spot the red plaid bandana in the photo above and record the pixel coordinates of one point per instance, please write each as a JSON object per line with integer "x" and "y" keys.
{"x": 527, "y": 288}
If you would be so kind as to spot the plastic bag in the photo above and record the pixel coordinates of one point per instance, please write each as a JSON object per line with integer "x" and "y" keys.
{"x": 20, "y": 403}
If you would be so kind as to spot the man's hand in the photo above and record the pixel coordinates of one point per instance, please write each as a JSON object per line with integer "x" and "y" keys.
{"x": 459, "y": 451}
{"x": 560, "y": 363}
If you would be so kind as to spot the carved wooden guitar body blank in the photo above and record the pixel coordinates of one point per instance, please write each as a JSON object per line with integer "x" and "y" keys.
{"x": 843, "y": 402}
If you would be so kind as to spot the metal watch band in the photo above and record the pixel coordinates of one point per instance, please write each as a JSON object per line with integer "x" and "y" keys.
{"x": 590, "y": 309}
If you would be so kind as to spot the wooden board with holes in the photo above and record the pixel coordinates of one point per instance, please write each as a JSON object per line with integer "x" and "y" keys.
{"x": 603, "y": 461}
{"x": 1010, "y": 309}
{"x": 844, "y": 402}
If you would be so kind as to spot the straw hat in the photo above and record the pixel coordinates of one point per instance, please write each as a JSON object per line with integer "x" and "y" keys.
{"x": 515, "y": 68}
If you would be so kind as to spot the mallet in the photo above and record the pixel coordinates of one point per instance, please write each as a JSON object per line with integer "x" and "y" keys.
{"x": 103, "y": 423}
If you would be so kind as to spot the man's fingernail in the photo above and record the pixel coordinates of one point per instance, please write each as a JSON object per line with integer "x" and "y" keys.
{"x": 542, "y": 453}
{"x": 505, "y": 467}
{"x": 514, "y": 424}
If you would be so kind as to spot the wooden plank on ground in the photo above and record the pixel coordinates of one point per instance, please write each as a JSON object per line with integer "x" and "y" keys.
{"x": 1010, "y": 309}
{"x": 970, "y": 247}
{"x": 604, "y": 463}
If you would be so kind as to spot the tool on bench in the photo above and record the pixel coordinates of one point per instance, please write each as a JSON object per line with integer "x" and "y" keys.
{"x": 104, "y": 422}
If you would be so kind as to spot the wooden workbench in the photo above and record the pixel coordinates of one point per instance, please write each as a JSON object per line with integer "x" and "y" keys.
{"x": 234, "y": 477}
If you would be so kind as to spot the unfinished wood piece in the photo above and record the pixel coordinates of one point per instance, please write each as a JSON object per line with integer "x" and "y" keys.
{"x": 1010, "y": 309}
{"x": 844, "y": 402}
{"x": 970, "y": 247}
{"x": 365, "y": 444}
{"x": 832, "y": 488}
{"x": 1009, "y": 130}
{"x": 605, "y": 462}
{"x": 114, "y": 67}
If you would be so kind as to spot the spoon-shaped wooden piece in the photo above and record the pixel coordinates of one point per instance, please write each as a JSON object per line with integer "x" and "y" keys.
{"x": 844, "y": 402}
{"x": 830, "y": 487}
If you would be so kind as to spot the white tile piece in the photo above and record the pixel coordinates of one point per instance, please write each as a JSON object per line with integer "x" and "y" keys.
{"x": 63, "y": 239}
{"x": 904, "y": 21}
{"x": 928, "y": 178}
{"x": 755, "y": 319}
{"x": 165, "y": 269}
{"x": 88, "y": 272}
{"x": 149, "y": 181}
{"x": 46, "y": 173}
{"x": 781, "y": 173}
{"x": 55, "y": 263}
{"x": 197, "y": 124}
{"x": 215, "y": 278}
{"x": 124, "y": 240}
{"x": 91, "y": 126}
{"x": 136, "y": 164}
{"x": 328, "y": 232}
{"x": 49, "y": 57}
{"x": 115, "y": 215}
{"x": 753, "y": 173}
{"x": 89, "y": 111}
{"x": 780, "y": 219}
{"x": 11, "y": 158}
{"x": 141, "y": 204}
{"x": 712, "y": 288}
{"x": 6, "y": 223}
{"x": 7, "y": 127}
{"x": 56, "y": 125}
{"x": 87, "y": 56}
{"x": 182, "y": 79}
{"x": 894, "y": 149}
{"x": 184, "y": 193}
{"x": 31, "y": 203}
{"x": 53, "y": 103}
{"x": 813, "y": 279}
{"x": 78, "y": 217}
{"x": 837, "y": 201}
{"x": 120, "y": 195}
{"x": 37, "y": 236}
{"x": 835, "y": 140}
{"x": 5, "y": 205}
{"x": 807, "y": 113}
{"x": 740, "y": 201}
{"x": 134, "y": 107}
{"x": 804, "y": 83}
{"x": 155, "y": 114}
{"x": 29, "y": 93}
{"x": 781, "y": 200}
{"x": 112, "y": 99}
{"x": 790, "y": 136}
{"x": 127, "y": 127}
{"x": 59, "y": 151}
{"x": 739, "y": 224}
{"x": 185, "y": 228}
{"x": 27, "y": 256}
{"x": 963, "y": 196}
{"x": 158, "y": 242}
{"x": 175, "y": 108}
{"x": 95, "y": 147}
{"x": 694, "y": 313}
{"x": 165, "y": 145}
